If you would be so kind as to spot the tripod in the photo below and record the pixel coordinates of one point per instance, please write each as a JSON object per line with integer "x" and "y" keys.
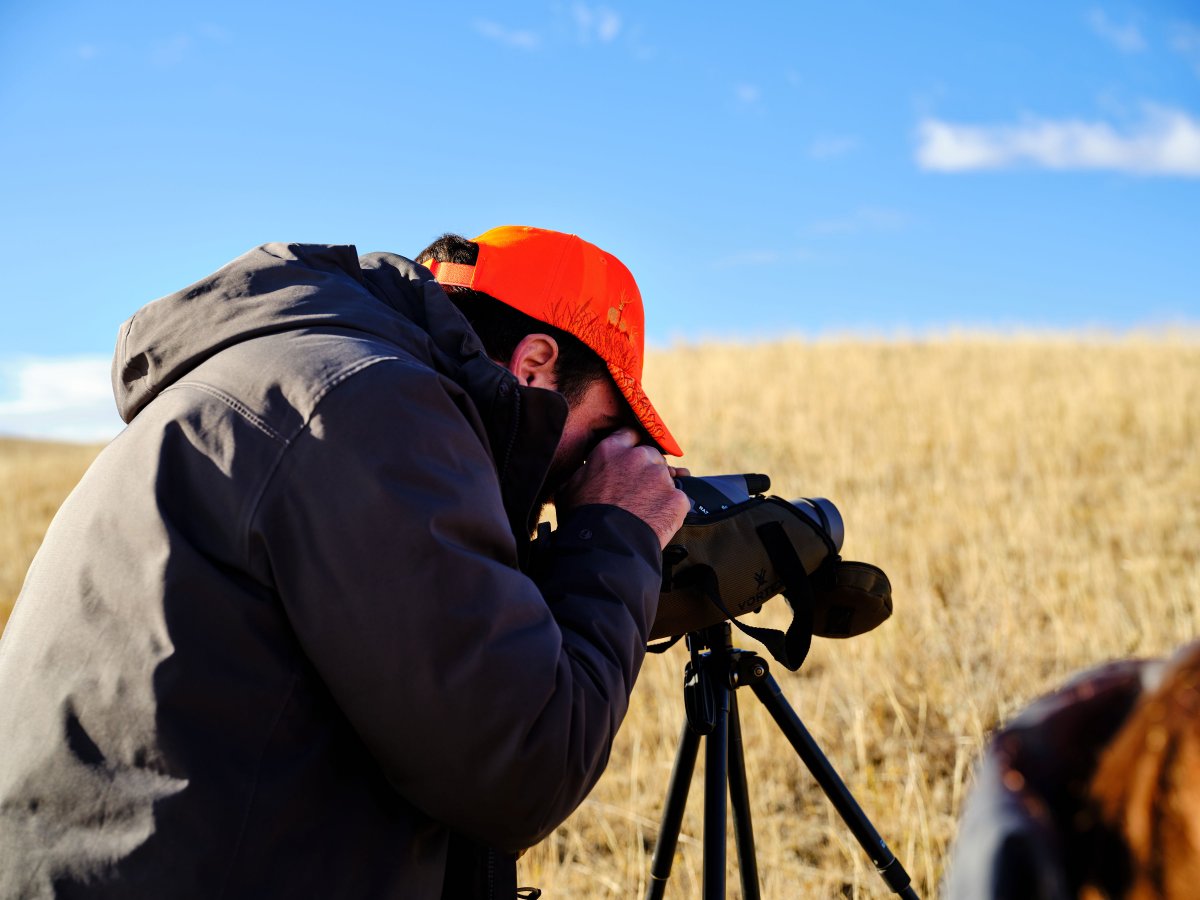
{"x": 711, "y": 680}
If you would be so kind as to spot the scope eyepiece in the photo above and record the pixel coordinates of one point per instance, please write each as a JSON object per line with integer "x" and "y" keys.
{"x": 714, "y": 493}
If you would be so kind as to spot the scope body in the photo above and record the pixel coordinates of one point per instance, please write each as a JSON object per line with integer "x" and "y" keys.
{"x": 738, "y": 548}
{"x": 712, "y": 494}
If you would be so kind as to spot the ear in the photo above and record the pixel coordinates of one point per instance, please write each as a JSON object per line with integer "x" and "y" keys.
{"x": 533, "y": 361}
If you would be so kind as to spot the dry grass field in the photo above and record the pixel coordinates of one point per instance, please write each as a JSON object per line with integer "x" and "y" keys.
{"x": 1035, "y": 501}
{"x": 34, "y": 479}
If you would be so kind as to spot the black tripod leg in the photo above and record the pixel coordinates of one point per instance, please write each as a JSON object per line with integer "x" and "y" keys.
{"x": 785, "y": 717}
{"x": 739, "y": 797}
{"x": 716, "y": 793}
{"x": 668, "y": 833}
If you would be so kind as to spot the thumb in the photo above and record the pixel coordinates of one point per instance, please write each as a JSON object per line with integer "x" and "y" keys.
{"x": 622, "y": 438}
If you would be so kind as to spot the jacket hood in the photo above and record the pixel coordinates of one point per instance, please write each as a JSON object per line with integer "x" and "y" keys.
{"x": 282, "y": 287}
{"x": 285, "y": 287}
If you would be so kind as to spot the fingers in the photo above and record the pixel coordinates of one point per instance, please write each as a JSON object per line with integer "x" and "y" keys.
{"x": 623, "y": 471}
{"x": 628, "y": 441}
{"x": 622, "y": 437}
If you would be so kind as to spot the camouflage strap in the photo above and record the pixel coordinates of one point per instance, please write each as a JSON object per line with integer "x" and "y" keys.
{"x": 788, "y": 648}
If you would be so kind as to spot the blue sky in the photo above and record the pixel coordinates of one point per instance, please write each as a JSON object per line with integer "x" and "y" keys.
{"x": 766, "y": 169}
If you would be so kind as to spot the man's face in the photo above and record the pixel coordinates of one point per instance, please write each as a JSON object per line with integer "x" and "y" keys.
{"x": 598, "y": 413}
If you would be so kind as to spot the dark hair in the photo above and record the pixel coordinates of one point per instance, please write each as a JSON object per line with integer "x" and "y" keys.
{"x": 501, "y": 327}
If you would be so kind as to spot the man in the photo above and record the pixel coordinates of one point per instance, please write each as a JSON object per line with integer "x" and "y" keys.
{"x": 289, "y": 636}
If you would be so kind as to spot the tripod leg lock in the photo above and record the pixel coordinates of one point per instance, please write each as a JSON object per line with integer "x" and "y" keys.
{"x": 897, "y": 879}
{"x": 699, "y": 700}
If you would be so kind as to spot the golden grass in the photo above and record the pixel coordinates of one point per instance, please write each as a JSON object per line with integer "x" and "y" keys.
{"x": 35, "y": 477}
{"x": 1035, "y": 501}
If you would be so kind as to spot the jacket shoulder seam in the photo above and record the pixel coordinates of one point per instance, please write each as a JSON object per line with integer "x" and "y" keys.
{"x": 341, "y": 376}
{"x": 233, "y": 403}
{"x": 286, "y": 443}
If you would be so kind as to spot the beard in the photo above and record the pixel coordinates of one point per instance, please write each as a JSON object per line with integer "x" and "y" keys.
{"x": 562, "y": 469}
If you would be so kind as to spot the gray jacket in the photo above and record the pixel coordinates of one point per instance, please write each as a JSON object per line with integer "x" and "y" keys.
{"x": 283, "y": 639}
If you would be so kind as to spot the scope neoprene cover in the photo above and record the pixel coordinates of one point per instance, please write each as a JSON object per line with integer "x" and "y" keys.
{"x": 848, "y": 598}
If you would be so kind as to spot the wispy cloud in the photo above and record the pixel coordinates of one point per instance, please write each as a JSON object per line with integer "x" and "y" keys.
{"x": 595, "y": 23}
{"x": 171, "y": 51}
{"x": 866, "y": 218}
{"x": 748, "y": 94}
{"x": 578, "y": 22}
{"x": 174, "y": 50}
{"x": 1185, "y": 40}
{"x": 829, "y": 146}
{"x": 519, "y": 39}
{"x": 68, "y": 399}
{"x": 1126, "y": 38}
{"x": 214, "y": 32}
{"x": 1165, "y": 142}
{"x": 639, "y": 45}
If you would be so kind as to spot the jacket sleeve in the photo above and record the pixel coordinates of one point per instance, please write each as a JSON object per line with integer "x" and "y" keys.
{"x": 491, "y": 702}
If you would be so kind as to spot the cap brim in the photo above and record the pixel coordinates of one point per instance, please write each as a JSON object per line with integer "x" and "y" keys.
{"x": 646, "y": 414}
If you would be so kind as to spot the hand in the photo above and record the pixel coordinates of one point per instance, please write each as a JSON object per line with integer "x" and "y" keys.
{"x": 621, "y": 472}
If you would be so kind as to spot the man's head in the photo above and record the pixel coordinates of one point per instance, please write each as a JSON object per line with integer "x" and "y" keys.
{"x": 562, "y": 314}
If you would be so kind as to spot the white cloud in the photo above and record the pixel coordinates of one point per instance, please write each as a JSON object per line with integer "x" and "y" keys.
{"x": 87, "y": 51}
{"x": 510, "y": 37}
{"x": 598, "y": 22}
{"x": 832, "y": 145}
{"x": 66, "y": 399}
{"x": 1166, "y": 142}
{"x": 1126, "y": 38}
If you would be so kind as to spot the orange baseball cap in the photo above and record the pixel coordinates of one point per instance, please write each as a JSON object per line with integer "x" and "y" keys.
{"x": 564, "y": 281}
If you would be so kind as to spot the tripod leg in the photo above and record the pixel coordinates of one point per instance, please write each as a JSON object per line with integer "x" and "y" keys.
{"x": 739, "y": 797}
{"x": 668, "y": 833}
{"x": 767, "y": 690}
{"x": 716, "y": 792}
